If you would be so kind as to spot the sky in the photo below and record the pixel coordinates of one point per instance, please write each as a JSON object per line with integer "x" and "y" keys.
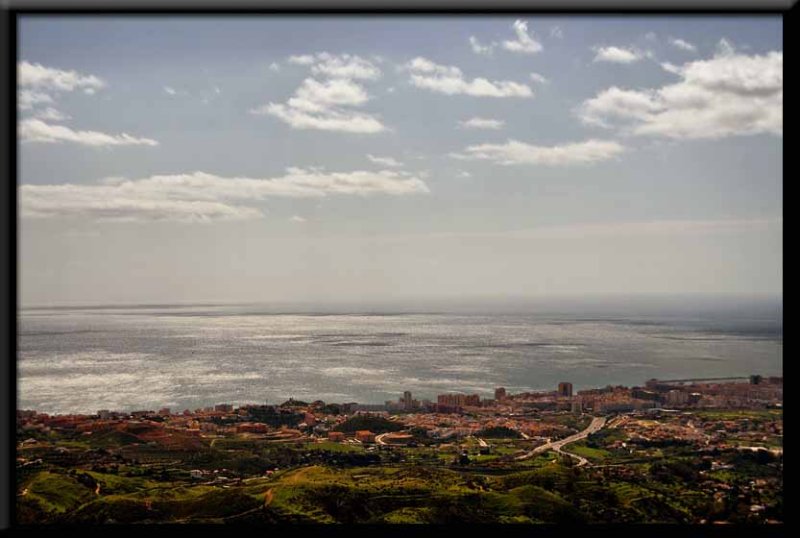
{"x": 374, "y": 158}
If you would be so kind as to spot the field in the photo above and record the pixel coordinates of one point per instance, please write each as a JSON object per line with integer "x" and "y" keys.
{"x": 115, "y": 477}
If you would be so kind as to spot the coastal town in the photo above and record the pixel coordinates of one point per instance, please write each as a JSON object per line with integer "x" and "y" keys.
{"x": 723, "y": 436}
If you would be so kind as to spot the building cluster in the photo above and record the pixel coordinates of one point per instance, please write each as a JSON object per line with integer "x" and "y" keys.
{"x": 452, "y": 415}
{"x": 745, "y": 393}
{"x": 456, "y": 403}
{"x": 705, "y": 433}
{"x": 453, "y": 425}
{"x": 617, "y": 399}
{"x": 405, "y": 403}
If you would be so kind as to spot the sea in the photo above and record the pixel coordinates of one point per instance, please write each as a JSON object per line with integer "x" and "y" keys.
{"x": 138, "y": 357}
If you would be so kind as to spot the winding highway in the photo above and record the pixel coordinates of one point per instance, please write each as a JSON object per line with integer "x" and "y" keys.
{"x": 595, "y": 425}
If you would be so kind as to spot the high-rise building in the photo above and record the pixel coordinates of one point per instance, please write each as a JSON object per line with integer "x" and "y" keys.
{"x": 459, "y": 399}
{"x": 500, "y": 394}
{"x": 472, "y": 399}
{"x": 565, "y": 389}
{"x": 677, "y": 397}
{"x": 407, "y": 400}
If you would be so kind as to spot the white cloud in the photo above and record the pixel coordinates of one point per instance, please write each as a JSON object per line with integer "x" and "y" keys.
{"x": 328, "y": 104}
{"x": 477, "y": 48}
{"x": 51, "y": 114}
{"x": 672, "y": 68}
{"x": 482, "y": 123}
{"x": 681, "y": 44}
{"x": 303, "y": 59}
{"x": 170, "y": 91}
{"x": 617, "y": 55}
{"x": 200, "y": 196}
{"x": 327, "y": 120}
{"x": 315, "y": 96}
{"x": 275, "y": 67}
{"x": 725, "y": 47}
{"x": 423, "y": 65}
{"x": 34, "y": 130}
{"x": 74, "y": 203}
{"x": 297, "y": 218}
{"x": 36, "y": 79}
{"x": 27, "y": 99}
{"x": 345, "y": 66}
{"x": 524, "y": 43}
{"x": 47, "y": 78}
{"x": 515, "y": 152}
{"x": 450, "y": 81}
{"x": 350, "y": 122}
{"x": 651, "y": 36}
{"x": 556, "y": 32}
{"x": 325, "y": 64}
{"x": 728, "y": 94}
{"x": 541, "y": 79}
{"x": 616, "y": 103}
{"x": 756, "y": 75}
{"x": 384, "y": 161}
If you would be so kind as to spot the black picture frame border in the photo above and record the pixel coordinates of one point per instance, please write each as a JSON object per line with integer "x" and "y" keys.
{"x": 11, "y": 11}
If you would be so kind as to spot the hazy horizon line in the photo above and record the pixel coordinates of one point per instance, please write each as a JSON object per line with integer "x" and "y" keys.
{"x": 475, "y": 300}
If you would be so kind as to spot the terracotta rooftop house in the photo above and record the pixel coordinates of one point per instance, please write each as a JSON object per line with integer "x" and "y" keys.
{"x": 336, "y": 436}
{"x": 252, "y": 427}
{"x": 398, "y": 438}
{"x": 365, "y": 436}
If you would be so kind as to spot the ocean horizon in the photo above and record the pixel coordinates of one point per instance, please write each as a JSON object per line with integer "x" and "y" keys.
{"x": 126, "y": 357}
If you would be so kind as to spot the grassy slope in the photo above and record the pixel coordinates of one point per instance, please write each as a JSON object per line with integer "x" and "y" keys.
{"x": 311, "y": 494}
{"x": 537, "y": 490}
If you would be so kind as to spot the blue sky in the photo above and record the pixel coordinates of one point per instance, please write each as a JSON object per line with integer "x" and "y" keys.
{"x": 300, "y": 158}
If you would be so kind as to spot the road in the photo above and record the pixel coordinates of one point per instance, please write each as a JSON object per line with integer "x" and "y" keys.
{"x": 595, "y": 425}
{"x": 379, "y": 439}
{"x": 581, "y": 460}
